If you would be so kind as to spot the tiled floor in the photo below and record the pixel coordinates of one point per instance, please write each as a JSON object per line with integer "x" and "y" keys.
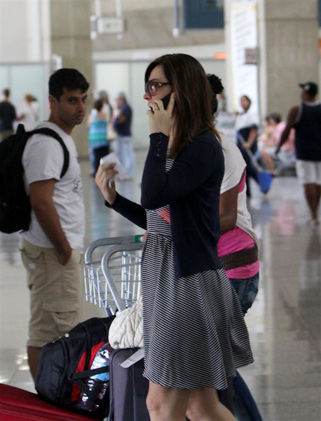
{"x": 284, "y": 322}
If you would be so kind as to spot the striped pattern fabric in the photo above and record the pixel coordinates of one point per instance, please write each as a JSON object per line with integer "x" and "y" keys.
{"x": 97, "y": 135}
{"x": 194, "y": 331}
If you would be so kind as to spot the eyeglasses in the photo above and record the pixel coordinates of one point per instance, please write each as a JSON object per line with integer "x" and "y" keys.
{"x": 152, "y": 87}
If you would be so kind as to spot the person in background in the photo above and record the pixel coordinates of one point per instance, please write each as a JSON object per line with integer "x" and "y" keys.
{"x": 191, "y": 313}
{"x": 267, "y": 142}
{"x": 36, "y": 108}
{"x": 51, "y": 249}
{"x": 306, "y": 120}
{"x": 237, "y": 247}
{"x": 7, "y": 115}
{"x": 246, "y": 126}
{"x": 286, "y": 156}
{"x": 107, "y": 107}
{"x": 122, "y": 121}
{"x": 27, "y": 113}
{"x": 108, "y": 111}
{"x": 97, "y": 135}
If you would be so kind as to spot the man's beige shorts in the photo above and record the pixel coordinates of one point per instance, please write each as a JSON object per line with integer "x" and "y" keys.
{"x": 54, "y": 292}
{"x": 309, "y": 172}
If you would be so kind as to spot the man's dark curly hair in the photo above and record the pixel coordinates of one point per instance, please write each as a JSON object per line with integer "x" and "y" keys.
{"x": 69, "y": 79}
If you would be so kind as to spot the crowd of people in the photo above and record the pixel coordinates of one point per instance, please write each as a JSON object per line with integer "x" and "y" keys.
{"x": 200, "y": 264}
{"x": 294, "y": 142}
{"x": 107, "y": 124}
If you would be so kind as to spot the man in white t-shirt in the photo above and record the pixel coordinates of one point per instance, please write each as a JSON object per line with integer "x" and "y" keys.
{"x": 52, "y": 247}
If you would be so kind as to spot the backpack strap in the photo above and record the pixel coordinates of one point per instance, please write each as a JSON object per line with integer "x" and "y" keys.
{"x": 51, "y": 133}
{"x": 80, "y": 377}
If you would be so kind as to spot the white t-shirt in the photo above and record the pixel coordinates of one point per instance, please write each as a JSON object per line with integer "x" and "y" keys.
{"x": 234, "y": 169}
{"x": 43, "y": 160}
{"x": 246, "y": 119}
{"x": 30, "y": 116}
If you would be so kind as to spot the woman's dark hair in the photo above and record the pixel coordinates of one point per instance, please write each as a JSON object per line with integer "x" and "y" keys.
{"x": 248, "y": 99}
{"x": 275, "y": 116}
{"x": 217, "y": 88}
{"x": 98, "y": 104}
{"x": 192, "y": 110}
{"x": 69, "y": 79}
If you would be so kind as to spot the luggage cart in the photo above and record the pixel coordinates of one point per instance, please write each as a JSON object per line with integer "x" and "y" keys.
{"x": 112, "y": 275}
{"x": 112, "y": 272}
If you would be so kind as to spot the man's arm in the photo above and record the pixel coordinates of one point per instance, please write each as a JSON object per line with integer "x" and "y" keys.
{"x": 41, "y": 199}
{"x": 121, "y": 118}
{"x": 292, "y": 116}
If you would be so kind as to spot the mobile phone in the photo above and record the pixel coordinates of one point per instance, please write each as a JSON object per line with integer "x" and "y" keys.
{"x": 166, "y": 99}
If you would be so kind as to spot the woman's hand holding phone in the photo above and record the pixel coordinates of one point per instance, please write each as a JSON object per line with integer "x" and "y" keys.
{"x": 160, "y": 117}
{"x": 105, "y": 181}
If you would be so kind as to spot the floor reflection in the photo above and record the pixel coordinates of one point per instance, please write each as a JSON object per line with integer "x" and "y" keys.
{"x": 284, "y": 322}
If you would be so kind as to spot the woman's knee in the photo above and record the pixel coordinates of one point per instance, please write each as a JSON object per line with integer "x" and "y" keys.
{"x": 202, "y": 404}
{"x": 166, "y": 401}
{"x": 154, "y": 402}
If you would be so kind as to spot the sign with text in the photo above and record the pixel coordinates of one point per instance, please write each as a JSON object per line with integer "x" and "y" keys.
{"x": 244, "y": 53}
{"x": 112, "y": 25}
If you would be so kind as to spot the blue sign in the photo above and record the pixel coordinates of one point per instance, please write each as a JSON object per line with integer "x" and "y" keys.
{"x": 203, "y": 14}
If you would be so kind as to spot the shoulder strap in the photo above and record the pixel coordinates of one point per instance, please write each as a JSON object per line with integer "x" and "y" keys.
{"x": 49, "y": 132}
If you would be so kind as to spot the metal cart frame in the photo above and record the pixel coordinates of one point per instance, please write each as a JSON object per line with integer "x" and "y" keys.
{"x": 113, "y": 280}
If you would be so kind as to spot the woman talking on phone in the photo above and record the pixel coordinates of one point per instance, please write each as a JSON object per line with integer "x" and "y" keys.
{"x": 194, "y": 332}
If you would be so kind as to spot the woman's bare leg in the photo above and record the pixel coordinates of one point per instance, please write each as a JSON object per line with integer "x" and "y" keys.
{"x": 269, "y": 162}
{"x": 166, "y": 404}
{"x": 204, "y": 405}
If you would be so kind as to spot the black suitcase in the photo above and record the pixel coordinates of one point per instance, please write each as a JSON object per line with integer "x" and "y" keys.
{"x": 128, "y": 388}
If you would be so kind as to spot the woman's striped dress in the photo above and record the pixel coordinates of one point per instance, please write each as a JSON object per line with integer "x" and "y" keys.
{"x": 194, "y": 331}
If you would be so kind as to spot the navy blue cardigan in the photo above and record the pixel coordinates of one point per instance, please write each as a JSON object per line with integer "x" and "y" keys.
{"x": 192, "y": 189}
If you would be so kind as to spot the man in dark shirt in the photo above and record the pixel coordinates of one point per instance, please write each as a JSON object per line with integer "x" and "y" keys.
{"x": 306, "y": 120}
{"x": 122, "y": 124}
{"x": 7, "y": 115}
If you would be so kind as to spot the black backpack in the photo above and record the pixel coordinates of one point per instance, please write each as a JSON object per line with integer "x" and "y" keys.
{"x": 64, "y": 365}
{"x": 15, "y": 209}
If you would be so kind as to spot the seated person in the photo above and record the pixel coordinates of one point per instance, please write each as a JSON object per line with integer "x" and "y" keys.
{"x": 267, "y": 143}
{"x": 287, "y": 153}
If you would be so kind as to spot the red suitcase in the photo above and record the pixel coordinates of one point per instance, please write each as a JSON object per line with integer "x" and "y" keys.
{"x": 21, "y": 405}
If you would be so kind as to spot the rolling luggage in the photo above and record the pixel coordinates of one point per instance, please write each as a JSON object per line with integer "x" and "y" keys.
{"x": 113, "y": 283}
{"x": 128, "y": 388}
{"x": 20, "y": 405}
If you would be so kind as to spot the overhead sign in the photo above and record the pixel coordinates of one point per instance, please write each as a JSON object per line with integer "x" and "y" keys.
{"x": 111, "y": 25}
{"x": 202, "y": 14}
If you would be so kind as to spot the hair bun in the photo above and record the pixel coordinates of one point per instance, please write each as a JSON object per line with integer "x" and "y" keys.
{"x": 216, "y": 84}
